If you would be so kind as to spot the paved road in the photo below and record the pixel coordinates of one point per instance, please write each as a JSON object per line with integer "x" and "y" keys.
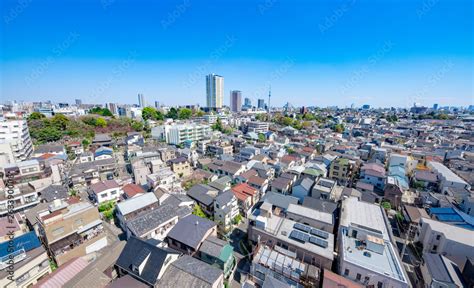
{"x": 243, "y": 266}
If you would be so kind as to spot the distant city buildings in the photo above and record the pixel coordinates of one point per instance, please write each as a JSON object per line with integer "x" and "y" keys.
{"x": 365, "y": 107}
{"x": 141, "y": 100}
{"x": 261, "y": 104}
{"x": 214, "y": 91}
{"x": 235, "y": 101}
{"x": 78, "y": 102}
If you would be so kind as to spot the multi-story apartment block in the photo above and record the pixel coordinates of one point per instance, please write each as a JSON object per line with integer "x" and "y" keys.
{"x": 367, "y": 254}
{"x": 15, "y": 141}
{"x": 177, "y": 134}
{"x": 342, "y": 170}
{"x": 70, "y": 231}
{"x": 257, "y": 127}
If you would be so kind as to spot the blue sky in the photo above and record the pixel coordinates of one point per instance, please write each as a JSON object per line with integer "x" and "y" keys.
{"x": 385, "y": 53}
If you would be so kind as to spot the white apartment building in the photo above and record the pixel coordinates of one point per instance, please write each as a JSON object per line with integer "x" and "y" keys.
{"x": 451, "y": 241}
{"x": 178, "y": 133}
{"x": 367, "y": 254}
{"x": 15, "y": 141}
{"x": 214, "y": 91}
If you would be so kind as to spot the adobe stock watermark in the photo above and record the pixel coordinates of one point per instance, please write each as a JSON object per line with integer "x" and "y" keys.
{"x": 16, "y": 11}
{"x": 215, "y": 55}
{"x": 426, "y": 7}
{"x": 266, "y": 5}
{"x": 117, "y": 73}
{"x": 174, "y": 15}
{"x": 432, "y": 81}
{"x": 336, "y": 15}
{"x": 11, "y": 228}
{"x": 274, "y": 76}
{"x": 56, "y": 52}
{"x": 362, "y": 72}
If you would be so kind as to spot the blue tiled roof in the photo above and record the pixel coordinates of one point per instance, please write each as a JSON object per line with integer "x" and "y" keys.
{"x": 28, "y": 241}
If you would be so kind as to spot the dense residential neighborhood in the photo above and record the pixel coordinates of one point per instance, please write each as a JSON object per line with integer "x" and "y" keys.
{"x": 249, "y": 198}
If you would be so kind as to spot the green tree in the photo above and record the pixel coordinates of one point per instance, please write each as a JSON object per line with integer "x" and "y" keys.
{"x": 60, "y": 121}
{"x": 173, "y": 114}
{"x": 36, "y": 116}
{"x": 149, "y": 113}
{"x": 261, "y": 137}
{"x": 339, "y": 128}
{"x": 287, "y": 121}
{"x": 49, "y": 134}
{"x": 198, "y": 211}
{"x": 218, "y": 125}
{"x": 101, "y": 111}
{"x": 200, "y": 113}
{"x": 185, "y": 113}
{"x": 137, "y": 125}
{"x": 101, "y": 122}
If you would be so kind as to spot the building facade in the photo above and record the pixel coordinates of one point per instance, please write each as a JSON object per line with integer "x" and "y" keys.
{"x": 214, "y": 91}
{"x": 235, "y": 101}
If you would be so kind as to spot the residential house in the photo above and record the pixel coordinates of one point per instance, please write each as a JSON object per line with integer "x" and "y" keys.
{"x": 191, "y": 272}
{"x": 225, "y": 210}
{"x": 324, "y": 189}
{"x": 373, "y": 174}
{"x": 439, "y": 271}
{"x": 71, "y": 230}
{"x": 247, "y": 197}
{"x": 130, "y": 208}
{"x": 342, "y": 170}
{"x": 189, "y": 233}
{"x": 158, "y": 222}
{"x": 302, "y": 188}
{"x": 131, "y": 190}
{"x": 317, "y": 219}
{"x": 180, "y": 166}
{"x": 281, "y": 185}
{"x": 144, "y": 261}
{"x": 104, "y": 191}
{"x": 163, "y": 178}
{"x": 204, "y": 196}
{"x": 102, "y": 153}
{"x": 219, "y": 253}
{"x": 451, "y": 241}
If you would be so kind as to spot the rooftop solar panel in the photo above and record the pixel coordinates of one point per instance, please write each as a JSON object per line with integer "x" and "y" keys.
{"x": 319, "y": 233}
{"x": 299, "y": 236}
{"x": 318, "y": 242}
{"x": 302, "y": 227}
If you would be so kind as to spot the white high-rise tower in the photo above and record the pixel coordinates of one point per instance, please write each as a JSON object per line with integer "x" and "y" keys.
{"x": 214, "y": 91}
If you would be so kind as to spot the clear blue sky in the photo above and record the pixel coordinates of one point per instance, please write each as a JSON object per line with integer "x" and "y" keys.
{"x": 385, "y": 53}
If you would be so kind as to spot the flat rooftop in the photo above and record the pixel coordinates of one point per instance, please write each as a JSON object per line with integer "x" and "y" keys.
{"x": 386, "y": 264}
{"x": 281, "y": 228}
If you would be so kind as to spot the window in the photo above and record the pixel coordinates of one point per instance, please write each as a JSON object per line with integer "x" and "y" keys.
{"x": 358, "y": 277}
{"x": 435, "y": 247}
{"x": 114, "y": 192}
{"x": 438, "y": 237}
{"x": 379, "y": 284}
{"x": 346, "y": 272}
{"x": 366, "y": 279}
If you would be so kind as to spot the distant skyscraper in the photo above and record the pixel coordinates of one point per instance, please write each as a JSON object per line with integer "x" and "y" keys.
{"x": 112, "y": 107}
{"x": 157, "y": 104}
{"x": 248, "y": 102}
{"x": 366, "y": 107}
{"x": 236, "y": 100}
{"x": 141, "y": 100}
{"x": 78, "y": 102}
{"x": 261, "y": 104}
{"x": 214, "y": 91}
{"x": 435, "y": 106}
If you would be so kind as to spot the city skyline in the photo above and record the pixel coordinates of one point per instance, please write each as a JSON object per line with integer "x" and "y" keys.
{"x": 324, "y": 55}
